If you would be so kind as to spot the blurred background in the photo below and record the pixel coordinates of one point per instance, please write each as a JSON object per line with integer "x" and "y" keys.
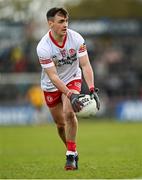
{"x": 113, "y": 34}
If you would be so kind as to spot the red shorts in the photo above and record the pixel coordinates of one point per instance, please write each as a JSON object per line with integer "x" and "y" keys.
{"x": 53, "y": 98}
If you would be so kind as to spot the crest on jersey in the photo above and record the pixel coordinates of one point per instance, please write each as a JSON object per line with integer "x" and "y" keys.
{"x": 72, "y": 52}
{"x": 65, "y": 57}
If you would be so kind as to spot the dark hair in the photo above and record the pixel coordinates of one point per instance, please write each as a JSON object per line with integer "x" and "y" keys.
{"x": 53, "y": 11}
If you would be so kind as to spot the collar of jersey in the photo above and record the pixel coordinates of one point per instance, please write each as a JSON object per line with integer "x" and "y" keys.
{"x": 55, "y": 42}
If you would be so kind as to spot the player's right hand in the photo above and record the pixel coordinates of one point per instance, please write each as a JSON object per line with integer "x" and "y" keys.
{"x": 76, "y": 104}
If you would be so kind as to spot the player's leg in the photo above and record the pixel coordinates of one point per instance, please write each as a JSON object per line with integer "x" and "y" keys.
{"x": 57, "y": 114}
{"x": 63, "y": 114}
{"x": 71, "y": 132}
{"x": 53, "y": 101}
{"x": 71, "y": 127}
{"x": 70, "y": 118}
{"x": 72, "y": 157}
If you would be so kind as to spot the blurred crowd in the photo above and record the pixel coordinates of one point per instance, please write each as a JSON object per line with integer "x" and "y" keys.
{"x": 19, "y": 59}
{"x": 117, "y": 65}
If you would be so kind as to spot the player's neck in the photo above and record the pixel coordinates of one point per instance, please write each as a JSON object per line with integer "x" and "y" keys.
{"x": 57, "y": 37}
{"x": 57, "y": 40}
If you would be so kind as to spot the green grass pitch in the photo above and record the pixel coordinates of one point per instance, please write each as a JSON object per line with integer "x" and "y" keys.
{"x": 106, "y": 149}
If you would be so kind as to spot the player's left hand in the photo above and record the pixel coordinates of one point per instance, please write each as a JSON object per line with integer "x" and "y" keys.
{"x": 94, "y": 95}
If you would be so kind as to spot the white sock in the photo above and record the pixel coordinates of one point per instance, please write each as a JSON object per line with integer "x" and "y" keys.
{"x": 76, "y": 153}
{"x": 71, "y": 153}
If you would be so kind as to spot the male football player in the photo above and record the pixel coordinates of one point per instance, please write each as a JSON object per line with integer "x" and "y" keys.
{"x": 61, "y": 51}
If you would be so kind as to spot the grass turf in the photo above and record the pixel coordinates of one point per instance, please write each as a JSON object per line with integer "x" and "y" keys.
{"x": 106, "y": 149}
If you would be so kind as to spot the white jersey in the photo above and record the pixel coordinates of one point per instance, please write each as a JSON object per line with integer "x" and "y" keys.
{"x": 64, "y": 57}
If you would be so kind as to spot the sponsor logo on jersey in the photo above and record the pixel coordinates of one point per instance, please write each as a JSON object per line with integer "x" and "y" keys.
{"x": 67, "y": 58}
{"x": 63, "y": 52}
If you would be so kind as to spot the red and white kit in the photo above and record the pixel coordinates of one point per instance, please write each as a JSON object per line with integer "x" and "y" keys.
{"x": 64, "y": 57}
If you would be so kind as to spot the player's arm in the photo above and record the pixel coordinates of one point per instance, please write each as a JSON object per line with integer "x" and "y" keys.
{"x": 74, "y": 98}
{"x": 89, "y": 77}
{"x": 52, "y": 74}
{"x": 47, "y": 64}
{"x": 87, "y": 70}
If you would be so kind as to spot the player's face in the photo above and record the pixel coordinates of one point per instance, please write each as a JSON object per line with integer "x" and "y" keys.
{"x": 59, "y": 25}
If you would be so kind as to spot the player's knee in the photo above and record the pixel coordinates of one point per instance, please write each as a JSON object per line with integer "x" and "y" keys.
{"x": 69, "y": 116}
{"x": 60, "y": 125}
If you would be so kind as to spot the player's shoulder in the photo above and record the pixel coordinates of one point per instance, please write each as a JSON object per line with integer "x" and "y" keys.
{"x": 74, "y": 33}
{"x": 44, "y": 42}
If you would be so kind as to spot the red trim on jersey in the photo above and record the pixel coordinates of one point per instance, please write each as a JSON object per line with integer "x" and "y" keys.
{"x": 45, "y": 61}
{"x": 55, "y": 42}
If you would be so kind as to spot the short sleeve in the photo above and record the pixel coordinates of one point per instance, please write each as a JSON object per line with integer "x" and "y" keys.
{"x": 81, "y": 46}
{"x": 44, "y": 57}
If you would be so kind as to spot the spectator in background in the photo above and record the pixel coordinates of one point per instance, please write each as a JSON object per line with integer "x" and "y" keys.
{"x": 18, "y": 60}
{"x": 35, "y": 96}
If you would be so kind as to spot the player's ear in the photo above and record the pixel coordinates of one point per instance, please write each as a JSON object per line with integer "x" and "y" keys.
{"x": 50, "y": 23}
